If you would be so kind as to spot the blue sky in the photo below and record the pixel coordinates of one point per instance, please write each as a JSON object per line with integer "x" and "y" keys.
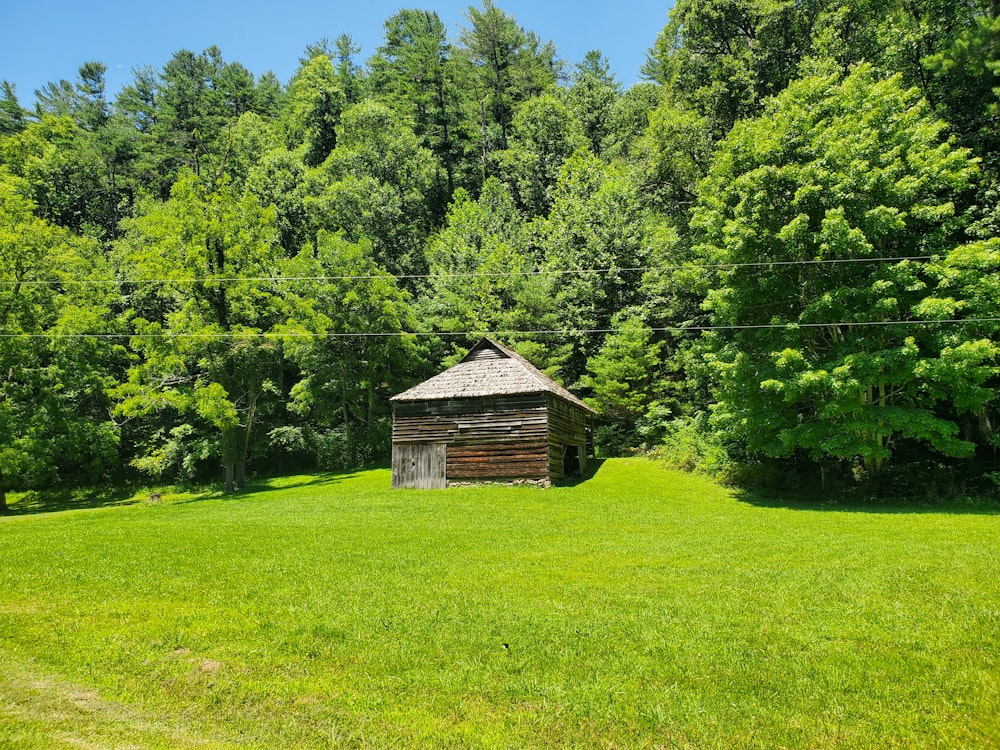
{"x": 48, "y": 41}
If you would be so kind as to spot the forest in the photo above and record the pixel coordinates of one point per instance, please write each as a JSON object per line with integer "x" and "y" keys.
{"x": 776, "y": 259}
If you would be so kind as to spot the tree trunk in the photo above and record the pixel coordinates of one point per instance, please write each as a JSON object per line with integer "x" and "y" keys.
{"x": 484, "y": 150}
{"x": 241, "y": 466}
{"x": 3, "y": 495}
{"x": 446, "y": 153}
{"x": 985, "y": 426}
{"x": 230, "y": 456}
{"x": 347, "y": 416}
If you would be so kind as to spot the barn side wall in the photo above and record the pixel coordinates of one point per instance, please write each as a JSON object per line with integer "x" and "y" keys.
{"x": 567, "y": 438}
{"x": 500, "y": 438}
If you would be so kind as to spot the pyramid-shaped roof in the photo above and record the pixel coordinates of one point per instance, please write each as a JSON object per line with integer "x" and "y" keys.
{"x": 489, "y": 369}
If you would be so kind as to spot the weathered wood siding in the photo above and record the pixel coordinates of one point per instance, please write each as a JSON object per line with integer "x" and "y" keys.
{"x": 455, "y": 407}
{"x": 470, "y": 421}
{"x": 419, "y": 466}
{"x": 504, "y": 437}
{"x": 500, "y": 438}
{"x": 498, "y": 461}
{"x": 567, "y": 427}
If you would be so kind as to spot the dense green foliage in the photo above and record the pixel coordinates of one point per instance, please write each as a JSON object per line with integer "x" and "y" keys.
{"x": 808, "y": 184}
{"x": 786, "y": 239}
{"x": 639, "y": 609}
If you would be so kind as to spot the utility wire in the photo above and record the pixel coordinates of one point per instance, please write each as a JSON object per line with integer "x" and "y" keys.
{"x": 463, "y": 275}
{"x": 473, "y": 334}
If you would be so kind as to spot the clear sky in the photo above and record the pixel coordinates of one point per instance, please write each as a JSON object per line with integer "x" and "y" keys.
{"x": 48, "y": 41}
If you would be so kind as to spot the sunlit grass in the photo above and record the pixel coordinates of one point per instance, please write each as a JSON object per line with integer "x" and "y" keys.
{"x": 641, "y": 608}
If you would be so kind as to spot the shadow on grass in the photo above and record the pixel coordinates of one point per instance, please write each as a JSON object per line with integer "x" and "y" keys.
{"x": 263, "y": 485}
{"x": 849, "y": 503}
{"x": 57, "y": 500}
{"x": 62, "y": 499}
{"x": 593, "y": 466}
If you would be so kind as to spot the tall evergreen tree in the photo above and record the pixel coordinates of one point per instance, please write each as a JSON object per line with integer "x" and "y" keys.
{"x": 416, "y": 73}
{"x": 12, "y": 114}
{"x": 591, "y": 96}
{"x": 509, "y": 65}
{"x": 84, "y": 101}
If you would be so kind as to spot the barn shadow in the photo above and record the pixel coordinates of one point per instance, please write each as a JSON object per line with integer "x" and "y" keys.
{"x": 593, "y": 466}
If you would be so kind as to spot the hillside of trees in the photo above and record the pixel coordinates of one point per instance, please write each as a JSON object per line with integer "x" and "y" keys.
{"x": 778, "y": 256}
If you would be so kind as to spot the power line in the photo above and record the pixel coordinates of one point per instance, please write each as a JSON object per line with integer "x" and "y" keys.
{"x": 491, "y": 332}
{"x": 462, "y": 275}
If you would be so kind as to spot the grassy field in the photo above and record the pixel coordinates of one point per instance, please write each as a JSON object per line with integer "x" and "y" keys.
{"x": 639, "y": 609}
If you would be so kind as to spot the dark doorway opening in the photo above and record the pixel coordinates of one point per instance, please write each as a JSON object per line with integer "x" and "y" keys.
{"x": 571, "y": 461}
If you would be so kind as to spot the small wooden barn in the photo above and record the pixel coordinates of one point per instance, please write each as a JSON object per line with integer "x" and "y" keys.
{"x": 492, "y": 417}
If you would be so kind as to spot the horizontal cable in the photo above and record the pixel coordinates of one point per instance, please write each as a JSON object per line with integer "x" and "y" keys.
{"x": 543, "y": 332}
{"x": 464, "y": 275}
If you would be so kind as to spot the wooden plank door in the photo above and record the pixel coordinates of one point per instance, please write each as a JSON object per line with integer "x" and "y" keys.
{"x": 419, "y": 466}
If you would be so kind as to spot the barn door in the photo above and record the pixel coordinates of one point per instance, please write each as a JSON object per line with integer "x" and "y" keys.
{"x": 419, "y": 466}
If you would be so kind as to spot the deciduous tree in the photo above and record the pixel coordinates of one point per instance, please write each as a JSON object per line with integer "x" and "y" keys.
{"x": 56, "y": 294}
{"x": 376, "y": 185}
{"x": 344, "y": 335}
{"x": 477, "y": 263}
{"x": 723, "y": 58}
{"x": 312, "y": 110}
{"x": 201, "y": 305}
{"x": 597, "y": 237}
{"x": 592, "y": 95}
{"x": 543, "y": 136}
{"x": 838, "y": 174}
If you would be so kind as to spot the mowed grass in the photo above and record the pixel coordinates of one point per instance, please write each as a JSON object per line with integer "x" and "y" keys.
{"x": 639, "y": 609}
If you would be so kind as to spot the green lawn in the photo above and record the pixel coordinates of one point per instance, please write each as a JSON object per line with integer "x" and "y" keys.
{"x": 639, "y": 609}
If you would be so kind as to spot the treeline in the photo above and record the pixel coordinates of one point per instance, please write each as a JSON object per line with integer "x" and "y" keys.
{"x": 777, "y": 257}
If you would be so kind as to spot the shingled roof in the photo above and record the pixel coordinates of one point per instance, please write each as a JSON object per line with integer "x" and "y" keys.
{"x": 489, "y": 369}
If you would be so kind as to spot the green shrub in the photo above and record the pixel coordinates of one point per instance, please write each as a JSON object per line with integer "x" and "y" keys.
{"x": 690, "y": 445}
